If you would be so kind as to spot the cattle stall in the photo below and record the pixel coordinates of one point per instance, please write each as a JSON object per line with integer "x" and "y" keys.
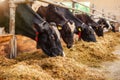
{"x": 12, "y": 17}
{"x": 13, "y": 5}
{"x": 84, "y": 61}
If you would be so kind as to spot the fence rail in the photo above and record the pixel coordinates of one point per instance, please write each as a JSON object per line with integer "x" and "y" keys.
{"x": 61, "y": 5}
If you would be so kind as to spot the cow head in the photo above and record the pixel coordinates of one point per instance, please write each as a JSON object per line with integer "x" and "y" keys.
{"x": 103, "y": 23}
{"x": 97, "y": 28}
{"x": 66, "y": 29}
{"x": 113, "y": 26}
{"x": 65, "y": 26}
{"x": 48, "y": 40}
{"x": 87, "y": 33}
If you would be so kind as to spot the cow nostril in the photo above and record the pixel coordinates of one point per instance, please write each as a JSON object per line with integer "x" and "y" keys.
{"x": 69, "y": 46}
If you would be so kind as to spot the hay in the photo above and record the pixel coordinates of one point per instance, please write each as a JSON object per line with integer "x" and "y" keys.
{"x": 25, "y": 72}
{"x": 67, "y": 69}
{"x": 48, "y": 69}
{"x": 93, "y": 54}
{"x": 79, "y": 63}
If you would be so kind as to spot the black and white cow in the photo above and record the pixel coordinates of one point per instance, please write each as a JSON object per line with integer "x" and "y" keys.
{"x": 90, "y": 22}
{"x": 30, "y": 24}
{"x": 106, "y": 25}
{"x": 65, "y": 26}
{"x": 62, "y": 16}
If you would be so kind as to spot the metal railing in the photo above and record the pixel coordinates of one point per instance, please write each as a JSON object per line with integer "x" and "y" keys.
{"x": 99, "y": 11}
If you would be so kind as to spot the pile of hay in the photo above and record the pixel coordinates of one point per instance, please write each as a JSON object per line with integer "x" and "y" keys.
{"x": 93, "y": 54}
{"x": 56, "y": 68}
{"x": 79, "y": 63}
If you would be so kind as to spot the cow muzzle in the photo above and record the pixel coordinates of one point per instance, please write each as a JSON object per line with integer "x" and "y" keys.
{"x": 69, "y": 45}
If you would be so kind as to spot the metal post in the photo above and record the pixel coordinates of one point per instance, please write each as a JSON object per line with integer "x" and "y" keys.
{"x": 73, "y": 6}
{"x": 114, "y": 17}
{"x": 13, "y": 51}
{"x": 92, "y": 10}
{"x": 109, "y": 15}
{"x": 103, "y": 13}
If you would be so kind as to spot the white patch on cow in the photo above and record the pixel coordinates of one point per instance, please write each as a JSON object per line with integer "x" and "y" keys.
{"x": 64, "y": 54}
{"x": 72, "y": 26}
{"x": 110, "y": 27}
{"x": 105, "y": 30}
{"x": 76, "y": 37}
{"x": 96, "y": 20}
{"x": 90, "y": 27}
{"x": 53, "y": 25}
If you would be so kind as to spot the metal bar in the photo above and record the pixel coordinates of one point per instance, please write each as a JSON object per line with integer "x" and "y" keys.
{"x": 45, "y": 1}
{"x": 23, "y": 1}
{"x": 54, "y": 3}
{"x": 109, "y": 19}
{"x": 73, "y": 6}
{"x": 59, "y": 5}
{"x": 12, "y": 6}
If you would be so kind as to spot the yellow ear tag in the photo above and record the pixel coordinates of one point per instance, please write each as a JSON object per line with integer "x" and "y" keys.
{"x": 59, "y": 27}
{"x": 97, "y": 28}
{"x": 79, "y": 29}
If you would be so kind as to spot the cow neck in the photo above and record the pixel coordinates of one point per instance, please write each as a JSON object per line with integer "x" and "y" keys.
{"x": 40, "y": 23}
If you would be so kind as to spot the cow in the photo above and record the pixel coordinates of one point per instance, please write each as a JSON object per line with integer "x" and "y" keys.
{"x": 106, "y": 25}
{"x": 47, "y": 38}
{"x": 30, "y": 24}
{"x": 90, "y": 22}
{"x": 113, "y": 26}
{"x": 65, "y": 26}
{"x": 62, "y": 16}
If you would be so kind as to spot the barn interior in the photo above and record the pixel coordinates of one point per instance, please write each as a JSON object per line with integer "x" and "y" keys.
{"x": 21, "y": 60}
